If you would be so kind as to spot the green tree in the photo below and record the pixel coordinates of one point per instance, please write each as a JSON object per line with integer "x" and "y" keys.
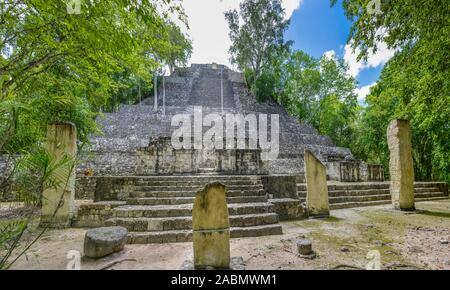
{"x": 181, "y": 49}
{"x": 256, "y": 33}
{"x": 413, "y": 85}
{"x": 57, "y": 66}
{"x": 320, "y": 92}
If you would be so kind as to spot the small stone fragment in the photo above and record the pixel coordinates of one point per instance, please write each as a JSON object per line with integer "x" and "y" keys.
{"x": 237, "y": 263}
{"x": 304, "y": 249}
{"x": 379, "y": 243}
{"x": 345, "y": 250}
{"x": 415, "y": 249}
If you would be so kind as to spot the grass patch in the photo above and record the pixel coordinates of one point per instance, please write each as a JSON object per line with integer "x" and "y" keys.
{"x": 434, "y": 213}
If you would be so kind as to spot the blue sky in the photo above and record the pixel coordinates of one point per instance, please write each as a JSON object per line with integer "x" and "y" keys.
{"x": 316, "y": 28}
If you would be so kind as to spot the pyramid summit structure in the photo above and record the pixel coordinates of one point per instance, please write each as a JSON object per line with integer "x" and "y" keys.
{"x": 134, "y": 127}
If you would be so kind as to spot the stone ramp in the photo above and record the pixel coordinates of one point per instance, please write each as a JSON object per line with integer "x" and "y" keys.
{"x": 348, "y": 195}
{"x": 159, "y": 209}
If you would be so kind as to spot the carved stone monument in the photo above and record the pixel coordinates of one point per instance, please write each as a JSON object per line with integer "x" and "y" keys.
{"x": 401, "y": 165}
{"x": 316, "y": 186}
{"x": 211, "y": 228}
{"x": 58, "y": 204}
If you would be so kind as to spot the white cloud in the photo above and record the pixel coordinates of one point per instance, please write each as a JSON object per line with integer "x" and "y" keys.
{"x": 209, "y": 30}
{"x": 381, "y": 57}
{"x": 290, "y": 6}
{"x": 330, "y": 54}
{"x": 364, "y": 91}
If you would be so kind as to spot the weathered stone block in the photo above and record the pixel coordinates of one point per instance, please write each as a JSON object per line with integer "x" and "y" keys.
{"x": 316, "y": 185}
{"x": 288, "y": 209}
{"x": 104, "y": 241}
{"x": 58, "y": 200}
{"x": 280, "y": 186}
{"x": 401, "y": 165}
{"x": 211, "y": 249}
{"x": 210, "y": 224}
{"x": 210, "y": 209}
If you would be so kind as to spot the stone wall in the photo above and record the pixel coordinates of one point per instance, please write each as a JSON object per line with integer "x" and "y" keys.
{"x": 104, "y": 188}
{"x": 160, "y": 158}
{"x": 92, "y": 215}
{"x": 280, "y": 186}
{"x": 289, "y": 209}
{"x": 375, "y": 172}
{"x": 114, "y": 163}
{"x": 349, "y": 171}
{"x": 354, "y": 171}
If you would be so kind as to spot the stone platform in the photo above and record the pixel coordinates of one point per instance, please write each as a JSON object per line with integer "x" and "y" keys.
{"x": 348, "y": 195}
{"x": 158, "y": 209}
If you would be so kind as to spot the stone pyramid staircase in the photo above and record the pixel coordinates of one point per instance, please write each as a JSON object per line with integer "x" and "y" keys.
{"x": 160, "y": 208}
{"x": 206, "y": 91}
{"x": 347, "y": 195}
{"x": 132, "y": 126}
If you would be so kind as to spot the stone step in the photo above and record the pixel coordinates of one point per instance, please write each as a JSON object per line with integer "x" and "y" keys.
{"x": 339, "y": 193}
{"x": 196, "y": 182}
{"x": 185, "y": 223}
{"x": 431, "y": 198}
{"x": 186, "y": 235}
{"x": 153, "y": 211}
{"x": 434, "y": 194}
{"x": 180, "y": 193}
{"x": 364, "y": 198}
{"x": 348, "y": 201}
{"x": 190, "y": 200}
{"x": 160, "y": 200}
{"x": 342, "y": 193}
{"x": 426, "y": 189}
{"x": 374, "y": 185}
{"x": 199, "y": 178}
{"x": 422, "y": 184}
{"x": 358, "y": 186}
{"x": 357, "y": 204}
{"x": 245, "y": 199}
{"x": 364, "y": 192}
{"x": 189, "y": 187}
{"x": 380, "y": 202}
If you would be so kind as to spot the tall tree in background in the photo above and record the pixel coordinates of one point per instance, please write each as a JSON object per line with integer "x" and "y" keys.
{"x": 415, "y": 84}
{"x": 57, "y": 66}
{"x": 256, "y": 33}
{"x": 181, "y": 50}
{"x": 320, "y": 92}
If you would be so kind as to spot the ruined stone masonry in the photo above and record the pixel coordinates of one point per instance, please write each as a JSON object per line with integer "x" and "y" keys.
{"x": 401, "y": 164}
{"x": 317, "y": 188}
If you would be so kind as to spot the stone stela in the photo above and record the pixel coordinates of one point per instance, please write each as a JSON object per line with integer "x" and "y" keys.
{"x": 211, "y": 228}
{"x": 401, "y": 165}
{"x": 316, "y": 184}
{"x": 58, "y": 205}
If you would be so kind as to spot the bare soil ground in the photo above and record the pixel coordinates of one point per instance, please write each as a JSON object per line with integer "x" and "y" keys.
{"x": 418, "y": 240}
